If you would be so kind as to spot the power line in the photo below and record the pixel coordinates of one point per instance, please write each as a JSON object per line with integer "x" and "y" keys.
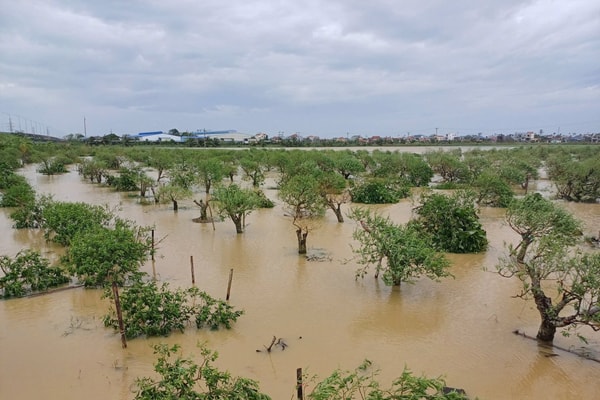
{"x": 16, "y": 123}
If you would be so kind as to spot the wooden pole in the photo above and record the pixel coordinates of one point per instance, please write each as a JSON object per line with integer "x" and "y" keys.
{"x": 152, "y": 250}
{"x": 115, "y": 289}
{"x": 229, "y": 284}
{"x": 192, "y": 268}
{"x": 212, "y": 220}
{"x": 154, "y": 270}
{"x": 299, "y": 388}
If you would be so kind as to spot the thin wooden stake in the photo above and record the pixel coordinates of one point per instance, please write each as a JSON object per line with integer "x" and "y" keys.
{"x": 212, "y": 220}
{"x": 192, "y": 268}
{"x": 299, "y": 390}
{"x": 115, "y": 290}
{"x": 152, "y": 251}
{"x": 229, "y": 284}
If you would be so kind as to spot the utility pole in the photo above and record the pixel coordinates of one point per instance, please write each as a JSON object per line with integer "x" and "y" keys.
{"x": 10, "y": 125}
{"x": 84, "y": 128}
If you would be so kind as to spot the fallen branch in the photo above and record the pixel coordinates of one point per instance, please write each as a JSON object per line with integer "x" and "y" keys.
{"x": 274, "y": 342}
{"x": 61, "y": 289}
{"x": 553, "y": 346}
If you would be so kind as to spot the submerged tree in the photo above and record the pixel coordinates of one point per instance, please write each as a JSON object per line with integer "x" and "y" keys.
{"x": 380, "y": 191}
{"x": 62, "y": 221}
{"x": 452, "y": 222}
{"x": 492, "y": 190}
{"x": 362, "y": 384}
{"x": 401, "y": 252}
{"x": 334, "y": 191}
{"x": 104, "y": 255}
{"x": 564, "y": 284}
{"x": 28, "y": 271}
{"x": 183, "y": 378}
{"x": 151, "y": 309}
{"x": 236, "y": 203}
{"x": 575, "y": 180}
{"x": 171, "y": 192}
{"x": 304, "y": 204}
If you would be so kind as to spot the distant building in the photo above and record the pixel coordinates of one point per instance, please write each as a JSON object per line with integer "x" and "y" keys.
{"x": 229, "y": 136}
{"x": 156, "y": 136}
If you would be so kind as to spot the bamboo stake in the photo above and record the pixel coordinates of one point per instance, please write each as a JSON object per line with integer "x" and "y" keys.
{"x": 212, "y": 220}
{"x": 229, "y": 284}
{"x": 152, "y": 251}
{"x": 192, "y": 268}
{"x": 115, "y": 289}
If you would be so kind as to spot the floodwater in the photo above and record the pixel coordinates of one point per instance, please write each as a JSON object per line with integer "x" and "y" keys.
{"x": 55, "y": 346}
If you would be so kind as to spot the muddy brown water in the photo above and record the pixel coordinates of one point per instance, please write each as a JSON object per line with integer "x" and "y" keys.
{"x": 55, "y": 346}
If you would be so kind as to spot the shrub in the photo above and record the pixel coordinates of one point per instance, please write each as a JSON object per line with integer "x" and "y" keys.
{"x": 492, "y": 190}
{"x": 151, "y": 310}
{"x": 182, "y": 378}
{"x": 53, "y": 166}
{"x": 27, "y": 272}
{"x": 18, "y": 194}
{"x": 213, "y": 313}
{"x": 63, "y": 220}
{"x": 378, "y": 191}
{"x": 452, "y": 222}
{"x": 155, "y": 310}
{"x": 100, "y": 255}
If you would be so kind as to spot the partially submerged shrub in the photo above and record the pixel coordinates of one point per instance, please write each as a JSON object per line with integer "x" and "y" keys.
{"x": 378, "y": 191}
{"x": 28, "y": 272}
{"x": 156, "y": 310}
{"x": 182, "y": 378}
{"x": 452, "y": 222}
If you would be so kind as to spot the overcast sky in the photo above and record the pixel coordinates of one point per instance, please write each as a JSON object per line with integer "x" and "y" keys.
{"x": 318, "y": 67}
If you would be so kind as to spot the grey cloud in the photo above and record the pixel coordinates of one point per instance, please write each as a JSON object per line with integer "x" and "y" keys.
{"x": 382, "y": 66}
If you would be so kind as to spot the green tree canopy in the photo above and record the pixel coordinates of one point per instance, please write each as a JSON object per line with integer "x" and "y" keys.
{"x": 153, "y": 309}
{"x": 236, "y": 203}
{"x": 15, "y": 190}
{"x": 379, "y": 191}
{"x": 448, "y": 165}
{"x": 401, "y": 252}
{"x": 209, "y": 171}
{"x": 492, "y": 190}
{"x": 101, "y": 255}
{"x": 254, "y": 164}
{"x": 304, "y": 204}
{"x": 575, "y": 179}
{"x": 452, "y": 222}
{"x": 61, "y": 221}
{"x": 28, "y": 272}
{"x": 183, "y": 378}
{"x": 362, "y": 384}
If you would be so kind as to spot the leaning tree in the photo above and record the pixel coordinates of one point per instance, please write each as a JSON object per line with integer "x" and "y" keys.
{"x": 563, "y": 281}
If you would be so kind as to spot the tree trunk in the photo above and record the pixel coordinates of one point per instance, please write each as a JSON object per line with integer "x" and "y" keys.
{"x": 203, "y": 209}
{"x": 175, "y": 205}
{"x": 301, "y": 240}
{"x": 546, "y": 331}
{"x": 544, "y": 306}
{"x": 237, "y": 220}
{"x": 337, "y": 210}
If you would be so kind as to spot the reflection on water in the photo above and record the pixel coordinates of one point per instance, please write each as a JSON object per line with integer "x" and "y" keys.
{"x": 55, "y": 346}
